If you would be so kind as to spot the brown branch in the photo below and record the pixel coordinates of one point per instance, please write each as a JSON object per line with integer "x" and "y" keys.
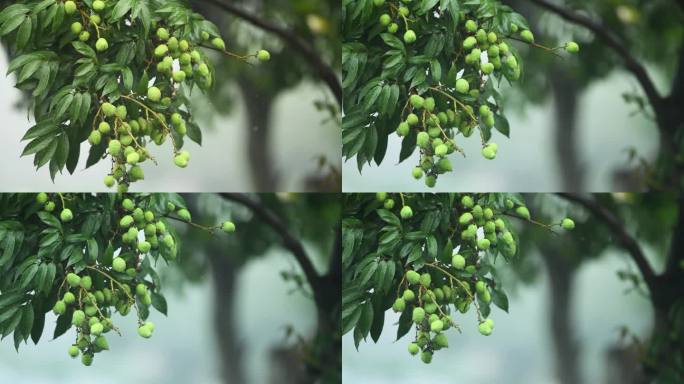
{"x": 301, "y": 47}
{"x": 625, "y": 240}
{"x": 289, "y": 241}
{"x": 613, "y": 42}
{"x": 676, "y": 253}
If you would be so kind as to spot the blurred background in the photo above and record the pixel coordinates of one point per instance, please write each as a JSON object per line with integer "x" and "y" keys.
{"x": 267, "y": 127}
{"x": 579, "y": 311}
{"x": 578, "y": 123}
{"x": 240, "y": 309}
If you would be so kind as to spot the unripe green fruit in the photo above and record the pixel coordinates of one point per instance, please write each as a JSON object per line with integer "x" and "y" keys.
{"x": 128, "y": 204}
{"x": 145, "y": 332}
{"x": 154, "y": 94}
{"x": 426, "y": 357}
{"x": 184, "y": 214}
{"x": 133, "y": 158}
{"x": 66, "y": 215}
{"x": 388, "y": 204}
{"x": 179, "y": 76}
{"x": 465, "y": 218}
{"x": 404, "y": 11}
{"x": 126, "y": 221}
{"x": 144, "y": 246}
{"x": 228, "y": 227}
{"x": 218, "y": 43}
{"x": 86, "y": 283}
{"x": 101, "y": 44}
{"x": 69, "y": 298}
{"x": 149, "y": 216}
{"x": 78, "y": 317}
{"x": 484, "y": 329}
{"x": 96, "y": 329}
{"x": 393, "y": 28}
{"x": 42, "y": 198}
{"x": 418, "y": 315}
{"x": 417, "y": 173}
{"x": 162, "y": 33}
{"x": 73, "y": 351}
{"x": 523, "y": 212}
{"x": 527, "y": 36}
{"x": 378, "y": 3}
{"x": 462, "y": 85}
{"x": 136, "y": 173}
{"x": 441, "y": 150}
{"x": 508, "y": 238}
{"x": 95, "y": 138}
{"x": 406, "y": 212}
{"x": 485, "y": 296}
{"x": 119, "y": 264}
{"x": 95, "y": 19}
{"x": 437, "y": 326}
{"x": 203, "y": 69}
{"x": 205, "y": 35}
{"x": 76, "y": 27}
{"x": 109, "y": 181}
{"x": 425, "y": 280}
{"x": 408, "y": 295}
{"x": 59, "y": 308}
{"x": 101, "y": 342}
{"x": 458, "y": 261}
{"x": 403, "y": 129}
{"x": 161, "y": 50}
{"x": 399, "y": 305}
{"x": 146, "y": 300}
{"x": 572, "y": 47}
{"x": 467, "y": 201}
{"x": 69, "y": 7}
{"x": 98, "y": 5}
{"x": 104, "y": 127}
{"x": 413, "y": 349}
{"x": 444, "y": 165}
{"x": 471, "y": 26}
{"x": 184, "y": 45}
{"x": 489, "y": 152}
{"x": 480, "y": 286}
{"x": 412, "y": 277}
{"x": 568, "y": 224}
{"x": 73, "y": 280}
{"x": 180, "y": 161}
{"x": 487, "y": 68}
{"x": 512, "y": 62}
{"x": 114, "y": 147}
{"x": 430, "y": 104}
{"x": 469, "y": 42}
{"x": 380, "y": 196}
{"x": 141, "y": 289}
{"x": 417, "y": 101}
{"x": 441, "y": 340}
{"x": 423, "y": 140}
{"x": 483, "y": 244}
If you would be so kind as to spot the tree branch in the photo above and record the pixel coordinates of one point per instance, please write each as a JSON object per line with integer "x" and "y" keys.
{"x": 676, "y": 253}
{"x": 618, "y": 229}
{"x": 612, "y": 41}
{"x": 325, "y": 71}
{"x": 289, "y": 241}
{"x": 336, "y": 256}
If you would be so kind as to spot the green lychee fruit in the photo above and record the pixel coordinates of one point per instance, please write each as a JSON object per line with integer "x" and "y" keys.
{"x": 96, "y": 329}
{"x": 59, "y": 308}
{"x": 413, "y": 349}
{"x": 218, "y": 43}
{"x": 527, "y": 36}
{"x": 42, "y": 198}
{"x": 568, "y": 224}
{"x": 114, "y": 147}
{"x": 406, "y": 212}
{"x": 69, "y": 298}
{"x": 471, "y": 26}
{"x": 417, "y": 101}
{"x": 101, "y": 44}
{"x": 403, "y": 129}
{"x": 69, "y": 7}
{"x": 73, "y": 351}
{"x": 84, "y": 36}
{"x": 228, "y": 226}
{"x": 119, "y": 264}
{"x": 98, "y": 5}
{"x": 78, "y": 317}
{"x": 399, "y": 305}
{"x": 417, "y": 173}
{"x": 388, "y": 204}
{"x": 66, "y": 215}
{"x": 184, "y": 214}
{"x": 484, "y": 328}
{"x": 462, "y": 85}
{"x": 412, "y": 277}
{"x": 465, "y": 218}
{"x": 95, "y": 138}
{"x": 469, "y": 42}
{"x": 101, "y": 342}
{"x": 418, "y": 315}
{"x": 87, "y": 360}
{"x": 458, "y": 261}
{"x": 572, "y": 47}
{"x": 408, "y": 295}
{"x": 523, "y": 212}
{"x": 86, "y": 283}
{"x": 154, "y": 94}
{"x": 441, "y": 340}
{"x": 425, "y": 280}
{"x": 76, "y": 27}
{"x": 141, "y": 289}
{"x": 73, "y": 280}
{"x": 126, "y": 221}
{"x": 162, "y": 33}
{"x": 144, "y": 246}
{"x": 145, "y": 332}
{"x": 423, "y": 140}
{"x": 426, "y": 357}
{"x": 161, "y": 50}
{"x": 133, "y": 158}
{"x": 489, "y": 152}
{"x": 437, "y": 326}
{"x": 483, "y": 244}
{"x": 263, "y": 55}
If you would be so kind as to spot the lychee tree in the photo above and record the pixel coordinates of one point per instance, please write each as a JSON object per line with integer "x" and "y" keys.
{"x": 116, "y": 73}
{"x": 428, "y": 71}
{"x": 428, "y": 257}
{"x": 86, "y": 258}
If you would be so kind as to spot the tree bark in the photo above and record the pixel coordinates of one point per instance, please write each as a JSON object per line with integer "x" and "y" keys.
{"x": 259, "y": 106}
{"x": 561, "y": 285}
{"x": 565, "y": 96}
{"x": 224, "y": 273}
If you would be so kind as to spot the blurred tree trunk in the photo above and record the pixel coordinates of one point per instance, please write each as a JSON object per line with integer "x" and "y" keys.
{"x": 565, "y": 97}
{"x": 561, "y": 284}
{"x": 259, "y": 106}
{"x": 224, "y": 273}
